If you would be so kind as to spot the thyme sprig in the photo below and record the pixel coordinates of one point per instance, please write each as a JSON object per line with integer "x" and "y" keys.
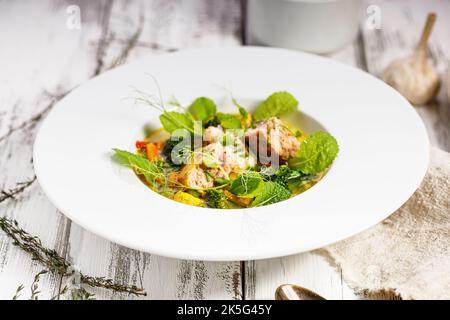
{"x": 35, "y": 285}
{"x": 20, "y": 187}
{"x": 52, "y": 261}
{"x": 18, "y": 292}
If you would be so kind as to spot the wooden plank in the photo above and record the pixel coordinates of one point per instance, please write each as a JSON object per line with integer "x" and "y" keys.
{"x": 132, "y": 30}
{"x": 34, "y": 75}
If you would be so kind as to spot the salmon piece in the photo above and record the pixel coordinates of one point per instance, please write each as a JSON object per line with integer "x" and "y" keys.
{"x": 195, "y": 177}
{"x": 229, "y": 159}
{"x": 211, "y": 134}
{"x": 174, "y": 178}
{"x": 272, "y": 139}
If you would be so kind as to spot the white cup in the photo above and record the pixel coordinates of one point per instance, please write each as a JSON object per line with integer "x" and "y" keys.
{"x": 319, "y": 26}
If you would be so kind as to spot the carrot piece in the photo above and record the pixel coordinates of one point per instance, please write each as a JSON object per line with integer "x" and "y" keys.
{"x": 152, "y": 151}
{"x": 141, "y": 144}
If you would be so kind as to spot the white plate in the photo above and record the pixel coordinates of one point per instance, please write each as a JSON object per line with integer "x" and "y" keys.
{"x": 383, "y": 154}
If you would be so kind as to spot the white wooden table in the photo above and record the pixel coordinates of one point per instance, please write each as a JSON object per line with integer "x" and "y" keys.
{"x": 41, "y": 59}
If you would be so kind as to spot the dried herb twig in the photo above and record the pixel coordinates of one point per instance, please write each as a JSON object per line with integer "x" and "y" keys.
{"x": 54, "y": 262}
{"x": 21, "y": 186}
{"x": 18, "y": 292}
{"x": 35, "y": 285}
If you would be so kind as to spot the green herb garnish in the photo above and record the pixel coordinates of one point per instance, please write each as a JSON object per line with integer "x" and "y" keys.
{"x": 229, "y": 121}
{"x": 172, "y": 121}
{"x": 247, "y": 184}
{"x": 271, "y": 192}
{"x": 278, "y": 104}
{"x": 216, "y": 199}
{"x": 316, "y": 153}
{"x": 150, "y": 170}
{"x": 242, "y": 111}
{"x": 203, "y": 109}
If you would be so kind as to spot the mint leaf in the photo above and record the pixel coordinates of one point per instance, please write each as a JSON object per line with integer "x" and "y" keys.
{"x": 247, "y": 184}
{"x": 271, "y": 192}
{"x": 316, "y": 153}
{"x": 150, "y": 170}
{"x": 278, "y": 104}
{"x": 202, "y": 109}
{"x": 229, "y": 121}
{"x": 172, "y": 120}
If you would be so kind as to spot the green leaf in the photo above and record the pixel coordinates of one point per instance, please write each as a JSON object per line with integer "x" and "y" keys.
{"x": 271, "y": 192}
{"x": 172, "y": 120}
{"x": 278, "y": 104}
{"x": 150, "y": 170}
{"x": 247, "y": 184}
{"x": 316, "y": 153}
{"x": 229, "y": 121}
{"x": 202, "y": 109}
{"x": 241, "y": 109}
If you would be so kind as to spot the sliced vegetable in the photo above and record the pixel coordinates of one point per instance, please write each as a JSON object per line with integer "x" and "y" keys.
{"x": 316, "y": 153}
{"x": 152, "y": 151}
{"x": 276, "y": 105}
{"x": 141, "y": 144}
{"x": 187, "y": 198}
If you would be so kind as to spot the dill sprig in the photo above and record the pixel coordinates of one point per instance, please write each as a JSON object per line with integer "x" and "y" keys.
{"x": 52, "y": 261}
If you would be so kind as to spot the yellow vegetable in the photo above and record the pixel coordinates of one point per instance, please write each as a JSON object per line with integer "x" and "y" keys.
{"x": 243, "y": 202}
{"x": 246, "y": 122}
{"x": 189, "y": 199}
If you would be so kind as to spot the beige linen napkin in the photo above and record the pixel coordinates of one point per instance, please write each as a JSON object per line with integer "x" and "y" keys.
{"x": 409, "y": 252}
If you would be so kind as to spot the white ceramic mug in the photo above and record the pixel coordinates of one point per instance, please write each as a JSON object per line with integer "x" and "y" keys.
{"x": 319, "y": 26}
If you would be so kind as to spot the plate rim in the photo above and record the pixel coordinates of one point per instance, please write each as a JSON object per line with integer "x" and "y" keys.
{"x": 215, "y": 257}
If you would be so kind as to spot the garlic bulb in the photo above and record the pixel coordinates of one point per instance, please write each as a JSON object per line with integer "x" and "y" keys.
{"x": 414, "y": 77}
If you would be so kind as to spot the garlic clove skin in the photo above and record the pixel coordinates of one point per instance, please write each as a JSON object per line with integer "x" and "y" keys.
{"x": 414, "y": 77}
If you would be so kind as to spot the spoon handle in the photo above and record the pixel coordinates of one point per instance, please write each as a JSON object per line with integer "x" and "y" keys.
{"x": 431, "y": 19}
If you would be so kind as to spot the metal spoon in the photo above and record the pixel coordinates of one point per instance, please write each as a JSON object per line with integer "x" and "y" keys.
{"x": 294, "y": 292}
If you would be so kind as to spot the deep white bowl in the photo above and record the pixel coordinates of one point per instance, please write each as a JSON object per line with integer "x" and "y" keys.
{"x": 319, "y": 26}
